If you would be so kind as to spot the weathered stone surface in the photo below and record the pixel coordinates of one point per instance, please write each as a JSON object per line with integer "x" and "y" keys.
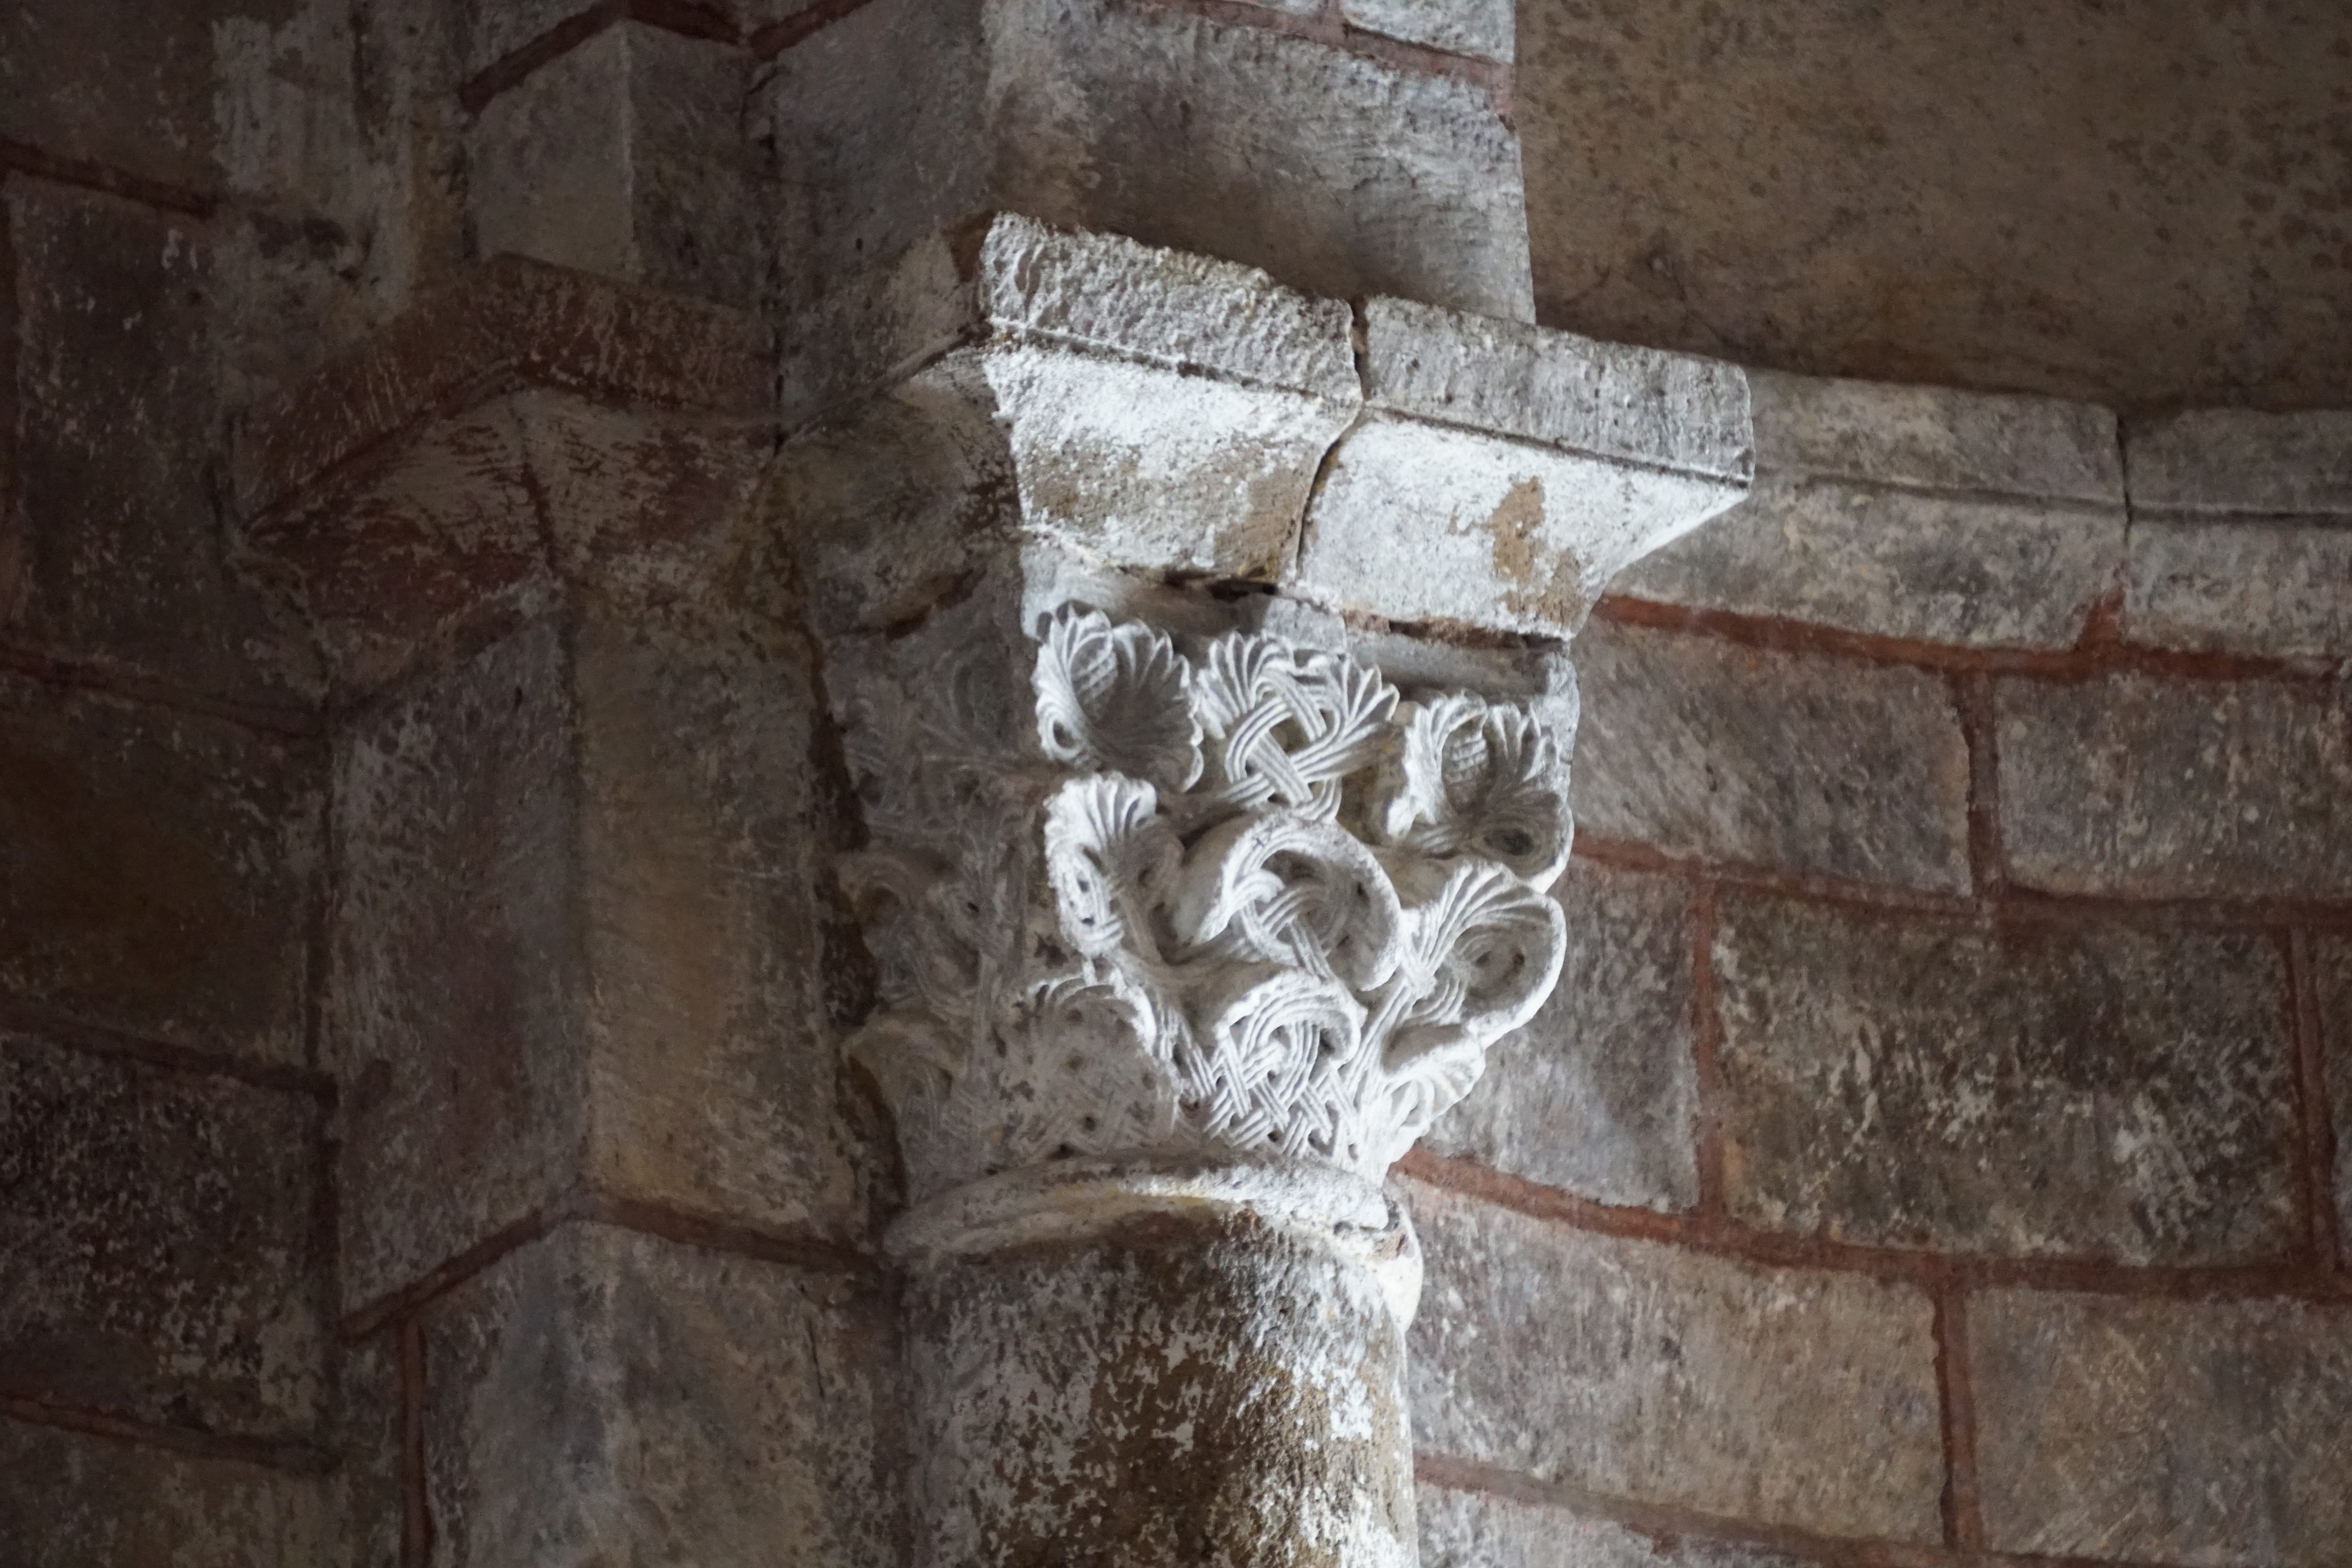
{"x": 2138, "y": 786}
{"x": 1478, "y": 1530}
{"x": 2242, "y": 534}
{"x": 1820, "y": 766}
{"x": 1911, "y": 512}
{"x": 161, "y": 1227}
{"x": 2331, "y": 987}
{"x": 626, "y": 157}
{"x": 1183, "y": 1387}
{"x": 599, "y": 1391}
{"x": 71, "y": 1501}
{"x": 2092, "y": 203}
{"x": 2152, "y": 1430}
{"x": 1635, "y": 1369}
{"x": 2281, "y": 589}
{"x": 903, "y": 117}
{"x": 1480, "y": 28}
{"x": 368, "y": 1484}
{"x": 157, "y": 869}
{"x": 704, "y": 864}
{"x": 116, "y": 83}
{"x": 455, "y": 1018}
{"x": 2236, "y": 460}
{"x": 110, "y": 548}
{"x": 1597, "y": 1093}
{"x": 2024, "y": 1089}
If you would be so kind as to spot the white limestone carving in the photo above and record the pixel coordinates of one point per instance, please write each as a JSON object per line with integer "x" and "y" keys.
{"x": 1250, "y": 904}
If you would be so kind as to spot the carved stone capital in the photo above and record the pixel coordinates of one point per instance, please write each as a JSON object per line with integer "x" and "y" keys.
{"x": 1235, "y": 897}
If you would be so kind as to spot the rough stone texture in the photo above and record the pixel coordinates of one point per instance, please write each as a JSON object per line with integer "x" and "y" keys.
{"x": 1172, "y": 128}
{"x": 600, "y": 1392}
{"x": 2095, "y": 202}
{"x": 626, "y": 157}
{"x": 2242, "y": 534}
{"x": 1807, "y": 764}
{"x": 163, "y": 1242}
{"x": 454, "y": 1021}
{"x": 2232, "y": 460}
{"x": 1911, "y": 512}
{"x": 118, "y": 84}
{"x": 2331, "y": 987}
{"x": 2027, "y": 1089}
{"x": 110, "y": 545}
{"x": 368, "y": 1484}
{"x": 1478, "y": 1530}
{"x": 71, "y": 1501}
{"x": 1183, "y": 1389}
{"x": 1642, "y": 1371}
{"x": 1480, "y": 28}
{"x": 2150, "y": 1430}
{"x": 1531, "y": 466}
{"x": 2137, "y": 786}
{"x": 155, "y": 870}
{"x": 710, "y": 1081}
{"x": 2278, "y": 589}
{"x": 1597, "y": 1093}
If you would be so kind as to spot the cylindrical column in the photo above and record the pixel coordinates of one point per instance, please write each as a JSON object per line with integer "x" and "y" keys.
{"x": 1161, "y": 1368}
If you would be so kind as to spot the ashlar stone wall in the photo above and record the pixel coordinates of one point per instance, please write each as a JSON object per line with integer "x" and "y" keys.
{"x": 1931, "y": 1159}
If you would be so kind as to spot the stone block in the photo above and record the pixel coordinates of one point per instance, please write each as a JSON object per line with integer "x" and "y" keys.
{"x": 2006, "y": 196}
{"x": 1912, "y": 512}
{"x": 163, "y": 1230}
{"x": 156, "y": 870}
{"x": 1482, "y": 29}
{"x": 2025, "y": 1089}
{"x": 704, "y": 848}
{"x": 1596, "y": 1094}
{"x": 116, "y": 83}
{"x": 626, "y": 157}
{"x": 2242, "y": 534}
{"x": 2207, "y": 584}
{"x": 1479, "y": 1529}
{"x": 2147, "y": 788}
{"x": 904, "y": 118}
{"x": 69, "y": 1500}
{"x": 1783, "y": 1396}
{"x": 2331, "y": 987}
{"x": 2241, "y": 461}
{"x": 369, "y": 1488}
{"x": 604, "y": 1392}
{"x": 2152, "y": 1430}
{"x": 113, "y": 528}
{"x": 455, "y": 1021}
{"x": 1808, "y": 764}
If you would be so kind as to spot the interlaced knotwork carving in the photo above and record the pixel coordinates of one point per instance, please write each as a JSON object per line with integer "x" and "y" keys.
{"x": 1252, "y": 903}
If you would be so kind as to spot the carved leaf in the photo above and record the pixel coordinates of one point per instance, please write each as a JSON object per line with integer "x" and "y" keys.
{"x": 1113, "y": 699}
{"x": 1287, "y": 888}
{"x": 1479, "y": 778}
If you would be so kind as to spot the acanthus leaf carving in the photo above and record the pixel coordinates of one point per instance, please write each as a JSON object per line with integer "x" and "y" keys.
{"x": 1252, "y": 904}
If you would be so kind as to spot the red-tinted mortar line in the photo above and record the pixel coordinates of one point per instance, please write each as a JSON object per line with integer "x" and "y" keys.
{"x": 1738, "y": 1242}
{"x": 90, "y": 1040}
{"x": 20, "y": 158}
{"x": 276, "y": 1454}
{"x": 2093, "y": 658}
{"x": 777, "y": 36}
{"x": 1669, "y": 1525}
{"x": 2011, "y": 903}
{"x": 1706, "y": 1056}
{"x": 1988, "y": 864}
{"x": 2314, "y": 1104}
{"x": 415, "y": 1496}
{"x": 1963, "y": 1515}
{"x": 1328, "y": 25}
{"x": 683, "y": 17}
{"x": 82, "y": 675}
{"x": 793, "y": 1249}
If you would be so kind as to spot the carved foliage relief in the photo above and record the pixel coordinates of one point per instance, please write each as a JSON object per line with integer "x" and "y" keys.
{"x": 1252, "y": 904}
